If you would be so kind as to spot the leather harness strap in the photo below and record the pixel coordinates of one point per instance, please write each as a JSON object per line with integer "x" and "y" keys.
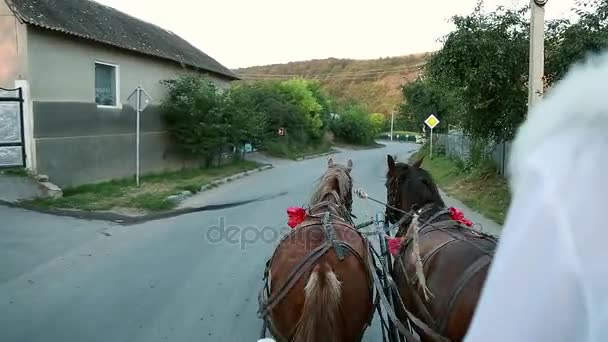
{"x": 330, "y": 236}
{"x": 469, "y": 273}
{"x": 419, "y": 303}
{"x": 434, "y": 251}
{"x": 293, "y": 277}
{"x": 391, "y": 313}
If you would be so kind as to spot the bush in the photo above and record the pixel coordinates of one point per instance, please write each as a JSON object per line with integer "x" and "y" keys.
{"x": 193, "y": 113}
{"x": 204, "y": 121}
{"x": 354, "y": 126}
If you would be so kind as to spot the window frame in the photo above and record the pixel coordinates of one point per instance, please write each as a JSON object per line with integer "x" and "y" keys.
{"x": 116, "y": 85}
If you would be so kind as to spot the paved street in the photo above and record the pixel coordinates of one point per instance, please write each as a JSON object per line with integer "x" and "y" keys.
{"x": 63, "y": 279}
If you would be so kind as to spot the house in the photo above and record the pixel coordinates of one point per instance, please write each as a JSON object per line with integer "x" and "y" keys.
{"x": 76, "y": 63}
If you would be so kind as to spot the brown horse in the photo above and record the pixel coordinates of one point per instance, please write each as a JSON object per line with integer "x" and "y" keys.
{"x": 453, "y": 258}
{"x": 320, "y": 285}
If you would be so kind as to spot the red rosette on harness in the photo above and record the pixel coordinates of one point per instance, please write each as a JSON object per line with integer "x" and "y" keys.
{"x": 296, "y": 216}
{"x": 458, "y": 216}
{"x": 394, "y": 245}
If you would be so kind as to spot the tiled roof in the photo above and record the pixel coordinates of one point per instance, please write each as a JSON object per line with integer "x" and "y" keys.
{"x": 91, "y": 20}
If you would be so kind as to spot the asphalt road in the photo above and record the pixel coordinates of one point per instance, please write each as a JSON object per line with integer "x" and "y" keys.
{"x": 64, "y": 279}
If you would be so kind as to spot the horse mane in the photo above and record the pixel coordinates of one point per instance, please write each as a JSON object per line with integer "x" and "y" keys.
{"x": 418, "y": 184}
{"x": 337, "y": 173}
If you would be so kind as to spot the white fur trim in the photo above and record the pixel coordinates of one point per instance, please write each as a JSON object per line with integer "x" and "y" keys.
{"x": 266, "y": 340}
{"x": 579, "y": 101}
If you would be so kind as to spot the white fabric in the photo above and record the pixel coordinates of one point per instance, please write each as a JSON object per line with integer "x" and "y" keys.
{"x": 549, "y": 278}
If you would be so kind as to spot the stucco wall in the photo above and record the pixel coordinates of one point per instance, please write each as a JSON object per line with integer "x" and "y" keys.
{"x": 62, "y": 68}
{"x": 78, "y": 142}
{"x": 13, "y": 47}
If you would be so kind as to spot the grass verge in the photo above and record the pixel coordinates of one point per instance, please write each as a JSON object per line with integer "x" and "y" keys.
{"x": 150, "y": 196}
{"x": 481, "y": 188}
{"x": 14, "y": 171}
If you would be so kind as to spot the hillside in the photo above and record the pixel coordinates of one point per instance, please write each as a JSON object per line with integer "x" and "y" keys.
{"x": 373, "y": 83}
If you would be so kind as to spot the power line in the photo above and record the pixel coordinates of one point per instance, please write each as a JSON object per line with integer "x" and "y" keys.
{"x": 367, "y": 75}
{"x": 353, "y": 73}
{"x": 367, "y": 71}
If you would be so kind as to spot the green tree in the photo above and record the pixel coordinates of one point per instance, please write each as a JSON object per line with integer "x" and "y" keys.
{"x": 423, "y": 98}
{"x": 354, "y": 126}
{"x": 569, "y": 42}
{"x": 322, "y": 98}
{"x": 194, "y": 116}
{"x": 248, "y": 123}
{"x": 378, "y": 122}
{"x": 301, "y": 96}
{"x": 483, "y": 64}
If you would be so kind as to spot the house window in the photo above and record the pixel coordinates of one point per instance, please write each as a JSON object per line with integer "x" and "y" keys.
{"x": 106, "y": 84}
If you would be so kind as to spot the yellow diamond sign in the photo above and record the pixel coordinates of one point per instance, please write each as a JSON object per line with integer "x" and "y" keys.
{"x": 431, "y": 121}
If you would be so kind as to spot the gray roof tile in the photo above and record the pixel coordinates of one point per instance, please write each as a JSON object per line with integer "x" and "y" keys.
{"x": 91, "y": 20}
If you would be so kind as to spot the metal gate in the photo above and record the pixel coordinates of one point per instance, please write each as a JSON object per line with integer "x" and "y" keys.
{"x": 12, "y": 145}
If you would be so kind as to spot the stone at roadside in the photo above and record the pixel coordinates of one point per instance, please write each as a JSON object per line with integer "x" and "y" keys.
{"x": 42, "y": 178}
{"x": 51, "y": 190}
{"x": 179, "y": 197}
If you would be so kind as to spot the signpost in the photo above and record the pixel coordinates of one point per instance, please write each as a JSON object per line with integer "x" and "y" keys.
{"x": 432, "y": 122}
{"x": 139, "y": 100}
{"x": 281, "y": 131}
{"x": 392, "y": 123}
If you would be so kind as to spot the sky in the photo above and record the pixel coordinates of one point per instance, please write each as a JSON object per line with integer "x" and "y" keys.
{"x": 241, "y": 33}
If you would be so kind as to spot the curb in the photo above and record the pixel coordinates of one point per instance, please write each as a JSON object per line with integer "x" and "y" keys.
{"x": 234, "y": 177}
{"x": 317, "y": 155}
{"x": 129, "y": 220}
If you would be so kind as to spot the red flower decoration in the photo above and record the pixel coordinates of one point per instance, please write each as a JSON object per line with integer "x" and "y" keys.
{"x": 296, "y": 216}
{"x": 394, "y": 245}
{"x": 458, "y": 216}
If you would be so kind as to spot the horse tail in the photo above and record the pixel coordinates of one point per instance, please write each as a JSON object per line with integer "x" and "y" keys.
{"x": 320, "y": 321}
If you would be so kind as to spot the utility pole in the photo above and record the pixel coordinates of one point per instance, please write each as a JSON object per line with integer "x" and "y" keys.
{"x": 537, "y": 52}
{"x": 392, "y": 123}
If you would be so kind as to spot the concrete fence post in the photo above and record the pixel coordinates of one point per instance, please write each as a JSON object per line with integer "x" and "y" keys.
{"x": 28, "y": 125}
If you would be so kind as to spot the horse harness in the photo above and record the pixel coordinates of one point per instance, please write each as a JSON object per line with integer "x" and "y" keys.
{"x": 447, "y": 226}
{"x": 328, "y": 222}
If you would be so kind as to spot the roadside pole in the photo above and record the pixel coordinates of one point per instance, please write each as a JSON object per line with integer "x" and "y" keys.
{"x": 431, "y": 152}
{"x": 392, "y": 123}
{"x": 537, "y": 52}
{"x": 137, "y": 135}
{"x": 139, "y": 99}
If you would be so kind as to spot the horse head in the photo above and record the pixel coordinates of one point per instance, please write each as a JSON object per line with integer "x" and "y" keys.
{"x": 335, "y": 185}
{"x": 409, "y": 187}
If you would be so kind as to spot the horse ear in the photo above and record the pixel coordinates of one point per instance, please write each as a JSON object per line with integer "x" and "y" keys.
{"x": 391, "y": 163}
{"x": 418, "y": 162}
{"x": 330, "y": 161}
{"x": 349, "y": 164}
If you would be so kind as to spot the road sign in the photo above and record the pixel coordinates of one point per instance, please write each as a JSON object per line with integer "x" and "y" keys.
{"x": 139, "y": 99}
{"x": 431, "y": 121}
{"x": 281, "y": 131}
{"x": 144, "y": 99}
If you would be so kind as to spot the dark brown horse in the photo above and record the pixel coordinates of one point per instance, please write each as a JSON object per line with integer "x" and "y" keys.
{"x": 320, "y": 285}
{"x": 453, "y": 258}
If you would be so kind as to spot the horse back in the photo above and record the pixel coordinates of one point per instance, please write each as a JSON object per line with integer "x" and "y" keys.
{"x": 455, "y": 262}
{"x": 352, "y": 273}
